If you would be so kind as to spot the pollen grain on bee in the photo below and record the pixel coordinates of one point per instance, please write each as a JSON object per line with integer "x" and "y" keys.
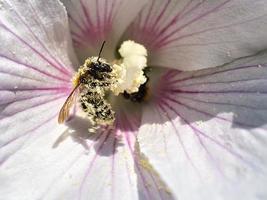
{"x": 96, "y": 77}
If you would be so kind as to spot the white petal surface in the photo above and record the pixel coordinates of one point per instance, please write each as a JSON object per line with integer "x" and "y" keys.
{"x": 92, "y": 22}
{"x": 206, "y": 133}
{"x": 195, "y": 34}
{"x": 75, "y": 165}
{"x": 35, "y": 41}
{"x": 35, "y": 69}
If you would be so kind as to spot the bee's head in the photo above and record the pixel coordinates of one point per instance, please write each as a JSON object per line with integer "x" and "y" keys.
{"x": 99, "y": 69}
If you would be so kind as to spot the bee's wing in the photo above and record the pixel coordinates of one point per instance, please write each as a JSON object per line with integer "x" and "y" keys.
{"x": 65, "y": 110}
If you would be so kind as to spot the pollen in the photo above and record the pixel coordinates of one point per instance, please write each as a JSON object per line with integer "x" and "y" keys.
{"x": 75, "y": 79}
{"x": 81, "y": 71}
{"x": 130, "y": 75}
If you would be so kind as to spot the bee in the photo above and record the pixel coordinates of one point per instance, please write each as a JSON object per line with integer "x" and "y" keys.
{"x": 92, "y": 80}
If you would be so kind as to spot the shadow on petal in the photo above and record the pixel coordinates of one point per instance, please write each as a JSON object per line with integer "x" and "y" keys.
{"x": 79, "y": 129}
{"x": 150, "y": 184}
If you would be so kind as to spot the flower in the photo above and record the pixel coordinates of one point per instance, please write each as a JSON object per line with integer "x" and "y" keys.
{"x": 200, "y": 135}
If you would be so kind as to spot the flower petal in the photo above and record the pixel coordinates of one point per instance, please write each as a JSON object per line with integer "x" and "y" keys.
{"x": 36, "y": 41}
{"x": 206, "y": 133}
{"x": 35, "y": 70}
{"x": 92, "y": 22}
{"x": 100, "y": 166}
{"x": 190, "y": 35}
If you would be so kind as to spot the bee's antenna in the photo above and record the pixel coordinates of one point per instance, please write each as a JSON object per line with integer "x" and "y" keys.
{"x": 102, "y": 46}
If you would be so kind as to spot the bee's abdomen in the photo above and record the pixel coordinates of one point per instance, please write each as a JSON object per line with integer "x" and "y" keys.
{"x": 96, "y": 107}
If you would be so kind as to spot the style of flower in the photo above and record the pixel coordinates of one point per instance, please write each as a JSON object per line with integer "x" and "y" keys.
{"x": 199, "y": 134}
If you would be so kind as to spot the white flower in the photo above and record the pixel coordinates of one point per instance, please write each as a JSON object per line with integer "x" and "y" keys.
{"x": 199, "y": 134}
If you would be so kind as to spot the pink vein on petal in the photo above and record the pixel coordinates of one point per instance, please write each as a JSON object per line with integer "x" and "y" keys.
{"x": 201, "y": 133}
{"x": 57, "y": 89}
{"x": 72, "y": 163}
{"x": 41, "y": 102}
{"x": 214, "y": 73}
{"x": 221, "y": 103}
{"x": 147, "y": 18}
{"x": 34, "y": 68}
{"x": 157, "y": 32}
{"x": 19, "y": 98}
{"x": 162, "y": 41}
{"x": 172, "y": 40}
{"x": 206, "y": 113}
{"x": 161, "y": 106}
{"x": 129, "y": 145}
{"x": 10, "y": 141}
{"x": 27, "y": 133}
{"x": 113, "y": 159}
{"x": 157, "y": 19}
{"x": 144, "y": 174}
{"x": 180, "y": 139}
{"x": 178, "y": 16}
{"x": 58, "y": 68}
{"x": 34, "y": 35}
{"x": 89, "y": 32}
{"x": 162, "y": 36}
{"x": 98, "y": 24}
{"x": 107, "y": 135}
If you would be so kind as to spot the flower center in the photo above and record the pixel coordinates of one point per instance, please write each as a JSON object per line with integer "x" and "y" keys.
{"x": 97, "y": 79}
